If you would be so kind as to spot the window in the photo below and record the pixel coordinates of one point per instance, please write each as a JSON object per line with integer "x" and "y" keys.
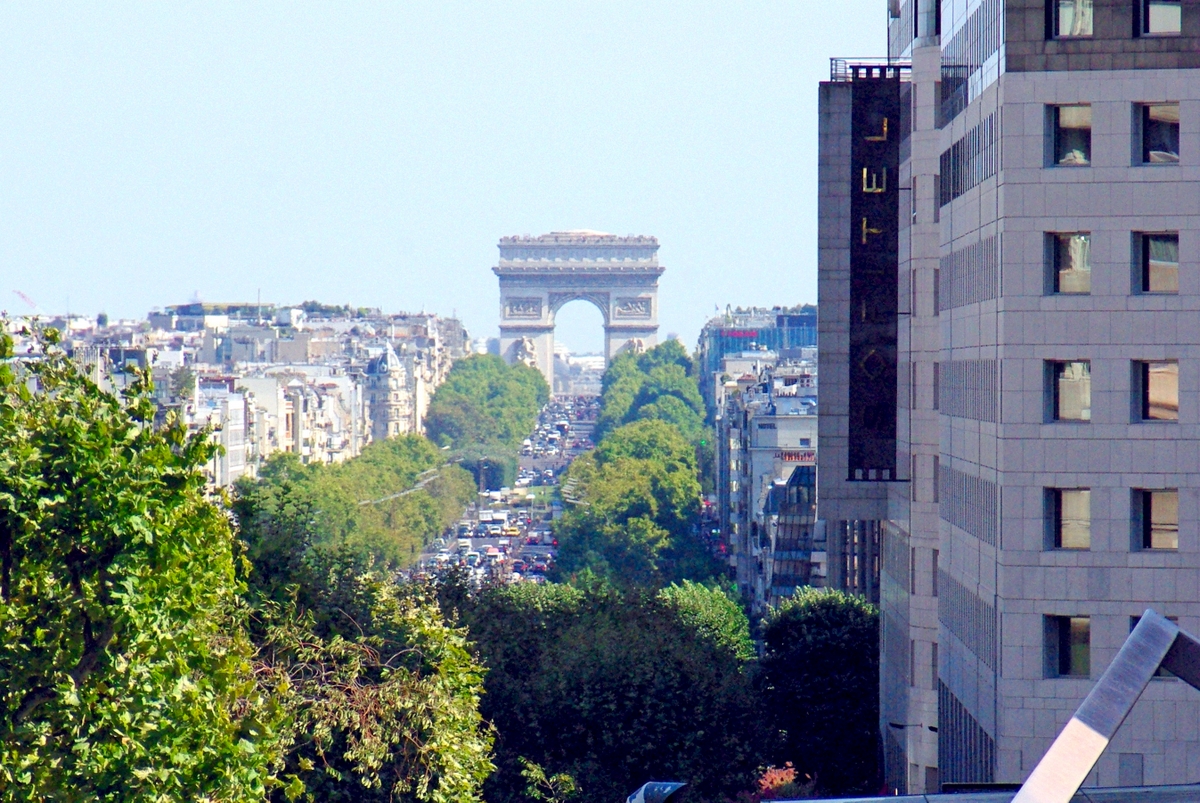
{"x": 1072, "y": 135}
{"x": 1070, "y": 263}
{"x": 936, "y": 555}
{"x": 1072, "y": 18}
{"x": 912, "y": 662}
{"x": 1156, "y": 519}
{"x": 1162, "y": 17}
{"x": 1160, "y": 133}
{"x": 912, "y": 571}
{"x": 1070, "y": 390}
{"x": 1069, "y": 518}
{"x": 933, "y": 668}
{"x": 1068, "y": 646}
{"x": 1159, "y": 258}
{"x": 1158, "y": 390}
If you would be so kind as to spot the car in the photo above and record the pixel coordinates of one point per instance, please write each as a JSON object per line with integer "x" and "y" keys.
{"x": 539, "y": 567}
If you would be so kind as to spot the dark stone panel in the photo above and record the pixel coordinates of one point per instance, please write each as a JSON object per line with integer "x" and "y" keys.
{"x": 1114, "y": 45}
{"x": 874, "y": 274}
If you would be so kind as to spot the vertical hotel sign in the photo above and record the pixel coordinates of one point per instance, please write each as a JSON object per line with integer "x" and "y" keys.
{"x": 874, "y": 271}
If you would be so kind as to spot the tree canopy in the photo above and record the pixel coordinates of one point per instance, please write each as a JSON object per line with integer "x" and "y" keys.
{"x": 387, "y": 503}
{"x": 381, "y": 693}
{"x": 820, "y": 687}
{"x": 656, "y": 384}
{"x": 125, "y": 669}
{"x": 484, "y": 402}
{"x": 633, "y": 505}
{"x": 615, "y": 688}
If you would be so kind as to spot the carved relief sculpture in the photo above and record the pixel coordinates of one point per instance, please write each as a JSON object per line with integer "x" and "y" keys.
{"x": 523, "y": 308}
{"x": 632, "y": 308}
{"x": 525, "y": 352}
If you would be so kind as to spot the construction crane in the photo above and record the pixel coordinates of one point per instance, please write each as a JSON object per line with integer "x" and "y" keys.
{"x": 33, "y": 305}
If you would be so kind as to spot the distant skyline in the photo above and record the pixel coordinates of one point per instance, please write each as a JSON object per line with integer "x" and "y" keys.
{"x": 374, "y": 154}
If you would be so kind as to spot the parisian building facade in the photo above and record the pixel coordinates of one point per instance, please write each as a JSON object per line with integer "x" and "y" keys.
{"x": 320, "y": 382}
{"x": 1009, "y": 278}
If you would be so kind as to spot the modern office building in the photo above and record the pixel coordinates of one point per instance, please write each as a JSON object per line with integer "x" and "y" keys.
{"x": 784, "y": 330}
{"x": 1010, "y": 367}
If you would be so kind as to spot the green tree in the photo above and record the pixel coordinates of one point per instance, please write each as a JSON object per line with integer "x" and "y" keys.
{"x": 483, "y": 411}
{"x": 544, "y": 788}
{"x": 615, "y": 688}
{"x": 485, "y": 401}
{"x": 387, "y": 503}
{"x": 183, "y": 382}
{"x": 635, "y": 380}
{"x": 125, "y": 670}
{"x": 382, "y": 695}
{"x": 820, "y": 688}
{"x": 634, "y": 504}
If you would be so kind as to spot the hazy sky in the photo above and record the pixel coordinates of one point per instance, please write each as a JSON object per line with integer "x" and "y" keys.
{"x": 374, "y": 153}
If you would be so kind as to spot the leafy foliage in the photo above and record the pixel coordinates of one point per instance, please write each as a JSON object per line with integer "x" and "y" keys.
{"x": 547, "y": 788}
{"x": 125, "y": 669}
{"x": 485, "y": 401}
{"x": 655, "y": 384}
{"x": 821, "y": 687}
{"x": 614, "y": 688}
{"x": 382, "y": 695}
{"x": 713, "y": 615}
{"x": 636, "y": 503}
{"x": 385, "y": 504}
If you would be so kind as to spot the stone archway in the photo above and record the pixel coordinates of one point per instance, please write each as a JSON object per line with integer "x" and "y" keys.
{"x": 540, "y": 275}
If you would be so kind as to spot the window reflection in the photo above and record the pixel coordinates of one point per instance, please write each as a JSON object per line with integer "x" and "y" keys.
{"x": 1072, "y": 518}
{"x": 1160, "y": 390}
{"x": 1160, "y": 133}
{"x": 1072, "y": 391}
{"x": 1162, "y": 16}
{"x": 1072, "y": 263}
{"x": 1073, "y": 18}
{"x": 1160, "y": 263}
{"x": 1073, "y": 135}
{"x": 1075, "y": 647}
{"x": 1160, "y": 519}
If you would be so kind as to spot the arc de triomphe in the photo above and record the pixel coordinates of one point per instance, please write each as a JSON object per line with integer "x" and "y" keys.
{"x": 539, "y": 275}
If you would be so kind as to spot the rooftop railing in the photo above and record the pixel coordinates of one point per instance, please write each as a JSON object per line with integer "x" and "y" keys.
{"x": 850, "y": 69}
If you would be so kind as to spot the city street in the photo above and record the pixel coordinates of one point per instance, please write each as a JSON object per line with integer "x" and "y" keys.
{"x": 506, "y": 536}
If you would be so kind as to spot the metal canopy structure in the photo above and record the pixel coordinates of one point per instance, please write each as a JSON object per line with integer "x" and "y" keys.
{"x": 1155, "y": 642}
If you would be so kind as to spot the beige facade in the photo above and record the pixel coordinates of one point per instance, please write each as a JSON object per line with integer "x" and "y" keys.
{"x": 1049, "y": 391}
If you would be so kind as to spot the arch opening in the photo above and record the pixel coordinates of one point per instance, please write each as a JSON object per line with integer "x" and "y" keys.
{"x": 579, "y": 342}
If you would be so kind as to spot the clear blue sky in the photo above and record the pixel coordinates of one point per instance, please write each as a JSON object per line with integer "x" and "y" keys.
{"x": 373, "y": 153}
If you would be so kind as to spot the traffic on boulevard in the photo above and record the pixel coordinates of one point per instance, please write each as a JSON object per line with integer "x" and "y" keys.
{"x": 506, "y": 536}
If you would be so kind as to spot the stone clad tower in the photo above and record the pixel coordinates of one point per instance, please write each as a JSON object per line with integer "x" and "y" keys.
{"x": 1009, "y": 360}
{"x": 539, "y": 275}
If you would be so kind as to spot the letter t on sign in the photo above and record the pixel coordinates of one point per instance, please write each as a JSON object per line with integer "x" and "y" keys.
{"x": 882, "y": 137}
{"x": 867, "y": 230}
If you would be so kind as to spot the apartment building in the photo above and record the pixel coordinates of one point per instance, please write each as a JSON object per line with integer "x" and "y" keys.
{"x": 766, "y": 431}
{"x": 1010, "y": 236}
